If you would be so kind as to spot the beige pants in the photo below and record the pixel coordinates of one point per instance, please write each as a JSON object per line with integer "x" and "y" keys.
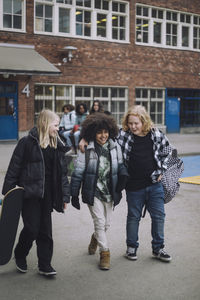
{"x": 101, "y": 214}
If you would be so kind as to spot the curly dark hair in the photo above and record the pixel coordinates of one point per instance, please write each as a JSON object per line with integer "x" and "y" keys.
{"x": 78, "y": 107}
{"x": 70, "y": 107}
{"x": 96, "y": 122}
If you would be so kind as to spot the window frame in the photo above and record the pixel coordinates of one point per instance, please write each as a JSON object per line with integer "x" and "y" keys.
{"x": 170, "y": 18}
{"x": 23, "y": 29}
{"x": 94, "y": 14}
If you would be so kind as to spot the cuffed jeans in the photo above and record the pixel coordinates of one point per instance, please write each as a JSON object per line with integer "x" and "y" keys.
{"x": 153, "y": 197}
{"x": 101, "y": 214}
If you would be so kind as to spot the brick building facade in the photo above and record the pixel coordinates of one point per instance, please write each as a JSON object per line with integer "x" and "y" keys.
{"x": 125, "y": 52}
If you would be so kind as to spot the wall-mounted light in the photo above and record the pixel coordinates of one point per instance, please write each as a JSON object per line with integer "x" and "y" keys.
{"x": 69, "y": 50}
{"x": 6, "y": 75}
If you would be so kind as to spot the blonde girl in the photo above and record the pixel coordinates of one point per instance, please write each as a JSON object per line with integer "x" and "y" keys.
{"x": 38, "y": 164}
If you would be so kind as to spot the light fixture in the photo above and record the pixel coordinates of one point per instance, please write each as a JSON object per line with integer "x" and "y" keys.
{"x": 6, "y": 75}
{"x": 69, "y": 50}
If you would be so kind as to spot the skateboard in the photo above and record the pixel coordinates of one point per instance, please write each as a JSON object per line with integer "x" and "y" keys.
{"x": 9, "y": 220}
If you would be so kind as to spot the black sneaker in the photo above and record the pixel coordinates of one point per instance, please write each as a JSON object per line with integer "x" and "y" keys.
{"x": 47, "y": 271}
{"x": 162, "y": 255}
{"x": 131, "y": 253}
{"x": 21, "y": 264}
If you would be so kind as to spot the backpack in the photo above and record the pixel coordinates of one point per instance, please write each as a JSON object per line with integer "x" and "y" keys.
{"x": 171, "y": 176}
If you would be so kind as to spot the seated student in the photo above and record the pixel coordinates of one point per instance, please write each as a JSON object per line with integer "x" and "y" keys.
{"x": 81, "y": 114}
{"x": 67, "y": 122}
{"x": 97, "y": 106}
{"x": 102, "y": 174}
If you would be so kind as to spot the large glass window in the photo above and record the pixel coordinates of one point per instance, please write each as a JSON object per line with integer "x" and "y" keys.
{"x": 13, "y": 14}
{"x": 165, "y": 28}
{"x": 114, "y": 99}
{"x": 91, "y": 19}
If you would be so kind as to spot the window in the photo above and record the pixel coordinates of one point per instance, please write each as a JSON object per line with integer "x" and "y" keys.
{"x": 166, "y": 28}
{"x": 64, "y": 20}
{"x": 90, "y": 19}
{"x": 44, "y": 17}
{"x": 171, "y": 29}
{"x": 153, "y": 101}
{"x": 118, "y": 27}
{"x": 51, "y": 97}
{"x": 101, "y": 25}
{"x": 13, "y": 14}
{"x": 101, "y": 4}
{"x": 196, "y": 32}
{"x": 142, "y": 30}
{"x": 114, "y": 99}
{"x": 142, "y": 24}
{"x": 171, "y": 34}
{"x": 83, "y": 22}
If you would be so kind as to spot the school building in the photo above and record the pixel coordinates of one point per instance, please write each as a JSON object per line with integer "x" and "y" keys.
{"x": 122, "y": 52}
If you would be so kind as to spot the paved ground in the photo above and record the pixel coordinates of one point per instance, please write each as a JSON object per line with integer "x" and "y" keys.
{"x": 146, "y": 279}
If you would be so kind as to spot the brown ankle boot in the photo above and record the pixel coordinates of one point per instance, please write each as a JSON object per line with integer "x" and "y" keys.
{"x": 104, "y": 260}
{"x": 93, "y": 245}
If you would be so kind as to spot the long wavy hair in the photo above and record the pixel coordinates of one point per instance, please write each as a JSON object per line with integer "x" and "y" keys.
{"x": 96, "y": 122}
{"x": 100, "y": 107}
{"x": 45, "y": 119}
{"x": 140, "y": 112}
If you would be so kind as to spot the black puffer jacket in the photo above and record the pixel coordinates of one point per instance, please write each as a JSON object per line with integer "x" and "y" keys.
{"x": 26, "y": 169}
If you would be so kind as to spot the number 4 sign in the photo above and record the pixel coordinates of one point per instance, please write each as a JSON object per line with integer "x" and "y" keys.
{"x": 26, "y": 90}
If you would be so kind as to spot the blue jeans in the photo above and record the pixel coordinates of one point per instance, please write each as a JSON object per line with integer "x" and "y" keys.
{"x": 153, "y": 197}
{"x": 66, "y": 135}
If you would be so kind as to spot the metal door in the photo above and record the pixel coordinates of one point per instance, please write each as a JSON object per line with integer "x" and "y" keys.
{"x": 8, "y": 111}
{"x": 172, "y": 114}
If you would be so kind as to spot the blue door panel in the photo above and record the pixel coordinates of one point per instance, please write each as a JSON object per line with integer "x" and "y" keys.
{"x": 8, "y": 130}
{"x": 172, "y": 114}
{"x": 8, "y": 111}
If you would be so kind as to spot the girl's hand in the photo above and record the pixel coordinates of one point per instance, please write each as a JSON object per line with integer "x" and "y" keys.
{"x": 159, "y": 178}
{"x": 65, "y": 205}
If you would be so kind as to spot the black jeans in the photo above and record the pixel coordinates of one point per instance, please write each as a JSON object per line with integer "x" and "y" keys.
{"x": 36, "y": 214}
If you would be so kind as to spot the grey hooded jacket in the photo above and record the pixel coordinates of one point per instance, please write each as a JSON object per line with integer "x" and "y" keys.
{"x": 86, "y": 171}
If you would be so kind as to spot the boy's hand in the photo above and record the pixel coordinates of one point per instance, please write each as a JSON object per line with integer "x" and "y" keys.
{"x": 82, "y": 145}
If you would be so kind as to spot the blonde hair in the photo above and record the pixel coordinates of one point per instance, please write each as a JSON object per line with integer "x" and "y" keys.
{"x": 140, "y": 112}
{"x": 45, "y": 119}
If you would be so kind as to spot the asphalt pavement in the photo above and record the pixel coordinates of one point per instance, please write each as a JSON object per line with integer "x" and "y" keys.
{"x": 78, "y": 275}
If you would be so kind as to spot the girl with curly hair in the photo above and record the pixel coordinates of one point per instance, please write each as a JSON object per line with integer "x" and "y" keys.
{"x": 101, "y": 172}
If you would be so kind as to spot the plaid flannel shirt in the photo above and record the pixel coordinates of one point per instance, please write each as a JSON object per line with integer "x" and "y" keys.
{"x": 161, "y": 148}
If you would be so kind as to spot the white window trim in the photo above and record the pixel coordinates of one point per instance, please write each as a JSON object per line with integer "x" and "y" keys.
{"x": 23, "y": 30}
{"x": 94, "y": 12}
{"x": 164, "y": 21}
